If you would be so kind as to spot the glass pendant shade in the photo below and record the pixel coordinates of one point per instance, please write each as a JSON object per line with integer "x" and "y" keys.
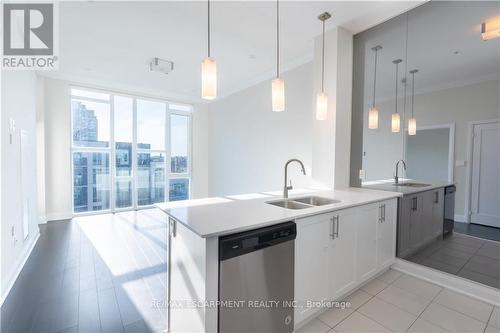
{"x": 396, "y": 123}
{"x": 278, "y": 94}
{"x": 321, "y": 106}
{"x": 412, "y": 126}
{"x": 209, "y": 78}
{"x": 373, "y": 118}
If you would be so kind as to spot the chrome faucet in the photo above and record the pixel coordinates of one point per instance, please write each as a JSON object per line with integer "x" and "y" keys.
{"x": 289, "y": 187}
{"x": 396, "y": 178}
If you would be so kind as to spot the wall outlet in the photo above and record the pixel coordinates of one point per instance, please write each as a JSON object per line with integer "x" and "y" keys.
{"x": 362, "y": 174}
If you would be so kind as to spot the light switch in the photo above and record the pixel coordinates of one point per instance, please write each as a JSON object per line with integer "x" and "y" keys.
{"x": 362, "y": 174}
{"x": 460, "y": 163}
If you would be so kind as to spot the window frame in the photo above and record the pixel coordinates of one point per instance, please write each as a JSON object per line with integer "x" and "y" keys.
{"x": 111, "y": 149}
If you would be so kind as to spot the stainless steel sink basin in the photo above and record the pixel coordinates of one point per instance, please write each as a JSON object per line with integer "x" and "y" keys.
{"x": 412, "y": 184}
{"x": 289, "y": 204}
{"x": 304, "y": 202}
{"x": 316, "y": 201}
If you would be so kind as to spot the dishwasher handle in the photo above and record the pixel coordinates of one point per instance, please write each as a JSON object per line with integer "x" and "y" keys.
{"x": 249, "y": 241}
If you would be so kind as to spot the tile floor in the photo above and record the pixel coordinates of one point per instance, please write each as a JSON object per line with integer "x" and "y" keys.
{"x": 396, "y": 302}
{"x": 93, "y": 274}
{"x": 466, "y": 256}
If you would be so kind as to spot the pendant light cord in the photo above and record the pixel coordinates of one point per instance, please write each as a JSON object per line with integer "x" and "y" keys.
{"x": 375, "y": 76}
{"x": 396, "y": 104}
{"x": 208, "y": 30}
{"x": 412, "y": 92}
{"x": 277, "y": 39}
{"x": 323, "y": 61}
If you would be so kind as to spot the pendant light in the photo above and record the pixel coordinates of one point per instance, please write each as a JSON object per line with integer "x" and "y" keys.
{"x": 412, "y": 122}
{"x": 278, "y": 85}
{"x": 208, "y": 68}
{"x": 322, "y": 98}
{"x": 373, "y": 111}
{"x": 396, "y": 118}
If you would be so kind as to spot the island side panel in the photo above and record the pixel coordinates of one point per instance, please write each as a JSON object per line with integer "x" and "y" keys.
{"x": 194, "y": 281}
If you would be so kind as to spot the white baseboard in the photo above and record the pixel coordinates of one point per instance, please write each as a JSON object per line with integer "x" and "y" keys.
{"x": 18, "y": 269}
{"x": 461, "y": 218}
{"x": 59, "y": 216}
{"x": 456, "y": 283}
{"x": 42, "y": 219}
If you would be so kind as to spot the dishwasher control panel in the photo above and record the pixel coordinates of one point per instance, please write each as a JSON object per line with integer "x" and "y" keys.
{"x": 249, "y": 241}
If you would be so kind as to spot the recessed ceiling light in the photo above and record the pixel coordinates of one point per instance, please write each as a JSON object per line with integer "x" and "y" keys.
{"x": 456, "y": 52}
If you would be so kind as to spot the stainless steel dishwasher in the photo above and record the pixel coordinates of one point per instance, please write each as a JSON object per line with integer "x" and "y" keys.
{"x": 256, "y": 280}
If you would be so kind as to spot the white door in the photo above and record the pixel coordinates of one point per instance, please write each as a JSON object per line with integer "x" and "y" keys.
{"x": 311, "y": 263}
{"x": 366, "y": 256}
{"x": 485, "y": 189}
{"x": 342, "y": 259}
{"x": 386, "y": 234}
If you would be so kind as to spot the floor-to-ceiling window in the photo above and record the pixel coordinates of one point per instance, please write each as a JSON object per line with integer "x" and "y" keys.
{"x": 128, "y": 151}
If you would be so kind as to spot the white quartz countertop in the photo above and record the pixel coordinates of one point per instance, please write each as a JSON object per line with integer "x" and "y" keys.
{"x": 219, "y": 216}
{"x": 388, "y": 185}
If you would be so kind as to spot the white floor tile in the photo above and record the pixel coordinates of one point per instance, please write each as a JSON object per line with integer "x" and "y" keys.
{"x": 388, "y": 315}
{"x": 495, "y": 318}
{"x": 358, "y": 323}
{"x": 423, "y": 326}
{"x": 334, "y": 316}
{"x": 314, "y": 326}
{"x": 451, "y": 320}
{"x": 390, "y": 276}
{"x": 405, "y": 300}
{"x": 374, "y": 286}
{"x": 466, "y": 305}
{"x": 492, "y": 329}
{"x": 417, "y": 286}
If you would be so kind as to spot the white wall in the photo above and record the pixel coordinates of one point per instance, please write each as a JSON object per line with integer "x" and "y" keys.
{"x": 57, "y": 121}
{"x": 459, "y": 105}
{"x": 18, "y": 102}
{"x": 249, "y": 144}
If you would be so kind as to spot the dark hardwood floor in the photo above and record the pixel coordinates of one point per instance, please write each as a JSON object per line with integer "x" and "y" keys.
{"x": 100, "y": 273}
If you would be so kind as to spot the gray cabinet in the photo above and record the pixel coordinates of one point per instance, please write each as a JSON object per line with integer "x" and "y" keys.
{"x": 420, "y": 220}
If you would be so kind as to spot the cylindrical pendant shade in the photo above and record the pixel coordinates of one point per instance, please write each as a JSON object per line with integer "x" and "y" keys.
{"x": 373, "y": 118}
{"x": 396, "y": 123}
{"x": 412, "y": 126}
{"x": 321, "y": 106}
{"x": 278, "y": 95}
{"x": 209, "y": 78}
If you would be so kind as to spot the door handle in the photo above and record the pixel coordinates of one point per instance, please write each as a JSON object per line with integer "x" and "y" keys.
{"x": 338, "y": 225}
{"x": 332, "y": 227}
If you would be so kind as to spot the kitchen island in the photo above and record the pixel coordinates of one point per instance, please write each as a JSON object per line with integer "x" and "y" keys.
{"x": 338, "y": 247}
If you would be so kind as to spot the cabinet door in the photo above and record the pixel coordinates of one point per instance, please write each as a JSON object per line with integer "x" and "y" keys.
{"x": 343, "y": 253}
{"x": 404, "y": 226}
{"x": 438, "y": 213}
{"x": 386, "y": 233}
{"x": 366, "y": 256}
{"x": 311, "y": 263}
{"x": 428, "y": 202}
{"x": 416, "y": 225}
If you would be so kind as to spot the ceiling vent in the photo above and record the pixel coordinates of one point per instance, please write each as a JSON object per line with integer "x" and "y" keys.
{"x": 161, "y": 65}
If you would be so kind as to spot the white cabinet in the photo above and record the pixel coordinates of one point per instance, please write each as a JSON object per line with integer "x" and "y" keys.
{"x": 366, "y": 256}
{"x": 336, "y": 252}
{"x": 386, "y": 233}
{"x": 311, "y": 262}
{"x": 342, "y": 257}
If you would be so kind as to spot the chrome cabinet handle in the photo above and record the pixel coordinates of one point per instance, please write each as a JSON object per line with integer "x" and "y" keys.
{"x": 436, "y": 197}
{"x": 337, "y": 231}
{"x": 383, "y": 212}
{"x": 332, "y": 227}
{"x": 414, "y": 203}
{"x": 173, "y": 229}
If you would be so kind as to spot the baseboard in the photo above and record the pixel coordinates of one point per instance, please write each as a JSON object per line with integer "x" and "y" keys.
{"x": 461, "y": 218}
{"x": 42, "y": 219}
{"x": 18, "y": 270}
{"x": 59, "y": 216}
{"x": 456, "y": 283}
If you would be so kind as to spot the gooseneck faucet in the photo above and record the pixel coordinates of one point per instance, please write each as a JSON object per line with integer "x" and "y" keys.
{"x": 396, "y": 178}
{"x": 289, "y": 187}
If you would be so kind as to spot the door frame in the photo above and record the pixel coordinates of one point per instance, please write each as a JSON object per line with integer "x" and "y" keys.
{"x": 451, "y": 146}
{"x": 468, "y": 173}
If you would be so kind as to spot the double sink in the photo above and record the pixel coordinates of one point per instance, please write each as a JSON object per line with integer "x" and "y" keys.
{"x": 303, "y": 202}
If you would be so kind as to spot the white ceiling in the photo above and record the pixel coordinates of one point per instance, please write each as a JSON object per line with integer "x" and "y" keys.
{"x": 110, "y": 44}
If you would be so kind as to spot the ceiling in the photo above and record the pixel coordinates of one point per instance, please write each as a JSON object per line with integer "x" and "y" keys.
{"x": 110, "y": 44}
{"x": 443, "y": 42}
